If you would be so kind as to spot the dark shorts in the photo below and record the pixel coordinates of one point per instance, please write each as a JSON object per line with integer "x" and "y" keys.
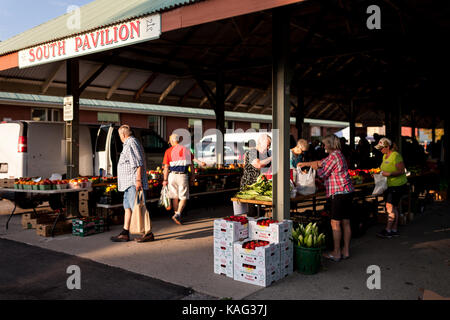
{"x": 341, "y": 206}
{"x": 393, "y": 195}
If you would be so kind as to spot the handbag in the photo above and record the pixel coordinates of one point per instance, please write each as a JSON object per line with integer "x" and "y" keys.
{"x": 380, "y": 184}
{"x": 306, "y": 182}
{"x": 140, "y": 217}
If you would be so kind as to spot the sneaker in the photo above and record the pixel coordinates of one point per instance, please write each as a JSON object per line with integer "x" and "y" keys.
{"x": 395, "y": 233}
{"x": 384, "y": 234}
{"x": 176, "y": 219}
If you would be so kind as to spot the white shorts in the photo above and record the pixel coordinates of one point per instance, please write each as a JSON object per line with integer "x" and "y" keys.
{"x": 178, "y": 186}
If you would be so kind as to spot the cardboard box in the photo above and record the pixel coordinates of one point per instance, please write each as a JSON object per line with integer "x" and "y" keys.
{"x": 257, "y": 276}
{"x": 223, "y": 248}
{"x": 286, "y": 266}
{"x": 262, "y": 256}
{"x": 224, "y": 265}
{"x": 30, "y": 220}
{"x": 287, "y": 249}
{"x": 7, "y": 183}
{"x": 62, "y": 227}
{"x": 83, "y": 204}
{"x": 275, "y": 232}
{"x": 230, "y": 230}
{"x": 83, "y": 195}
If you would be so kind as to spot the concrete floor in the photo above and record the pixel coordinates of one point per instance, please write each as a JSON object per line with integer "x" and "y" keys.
{"x": 183, "y": 255}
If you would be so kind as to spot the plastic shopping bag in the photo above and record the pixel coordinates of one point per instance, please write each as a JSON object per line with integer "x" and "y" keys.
{"x": 306, "y": 182}
{"x": 164, "y": 200}
{"x": 380, "y": 184}
{"x": 140, "y": 218}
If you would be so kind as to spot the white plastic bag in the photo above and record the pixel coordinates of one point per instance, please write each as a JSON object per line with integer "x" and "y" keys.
{"x": 164, "y": 200}
{"x": 380, "y": 184}
{"x": 306, "y": 182}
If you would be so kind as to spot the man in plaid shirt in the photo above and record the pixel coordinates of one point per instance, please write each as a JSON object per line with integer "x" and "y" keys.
{"x": 131, "y": 178}
{"x": 339, "y": 189}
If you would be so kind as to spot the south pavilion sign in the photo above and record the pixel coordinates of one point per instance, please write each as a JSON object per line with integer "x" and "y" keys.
{"x": 119, "y": 35}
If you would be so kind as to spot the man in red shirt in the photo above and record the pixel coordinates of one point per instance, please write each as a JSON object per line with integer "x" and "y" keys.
{"x": 177, "y": 160}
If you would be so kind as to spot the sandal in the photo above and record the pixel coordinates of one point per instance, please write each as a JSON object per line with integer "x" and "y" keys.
{"x": 329, "y": 256}
{"x": 345, "y": 257}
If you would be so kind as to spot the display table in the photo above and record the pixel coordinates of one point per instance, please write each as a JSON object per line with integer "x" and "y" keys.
{"x": 41, "y": 192}
{"x": 109, "y": 207}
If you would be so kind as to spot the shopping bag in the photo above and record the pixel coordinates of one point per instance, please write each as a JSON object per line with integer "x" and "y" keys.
{"x": 164, "y": 200}
{"x": 140, "y": 217}
{"x": 306, "y": 182}
{"x": 380, "y": 184}
{"x": 239, "y": 208}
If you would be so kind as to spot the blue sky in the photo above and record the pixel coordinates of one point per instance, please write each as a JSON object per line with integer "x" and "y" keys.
{"x": 17, "y": 16}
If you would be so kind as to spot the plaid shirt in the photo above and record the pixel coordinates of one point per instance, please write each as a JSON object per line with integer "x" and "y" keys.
{"x": 131, "y": 157}
{"x": 334, "y": 171}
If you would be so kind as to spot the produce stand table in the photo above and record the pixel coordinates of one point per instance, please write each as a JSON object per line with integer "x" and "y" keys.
{"x": 45, "y": 192}
{"x": 109, "y": 207}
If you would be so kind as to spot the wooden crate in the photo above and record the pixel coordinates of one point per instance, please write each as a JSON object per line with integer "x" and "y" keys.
{"x": 30, "y": 220}
{"x": 62, "y": 227}
{"x": 7, "y": 183}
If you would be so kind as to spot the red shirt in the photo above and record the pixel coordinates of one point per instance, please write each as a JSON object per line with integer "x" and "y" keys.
{"x": 334, "y": 171}
{"x": 178, "y": 158}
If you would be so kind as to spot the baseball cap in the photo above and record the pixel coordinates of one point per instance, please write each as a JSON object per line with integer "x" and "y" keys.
{"x": 383, "y": 143}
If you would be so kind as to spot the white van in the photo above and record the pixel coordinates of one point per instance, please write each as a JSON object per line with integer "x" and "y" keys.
{"x": 235, "y": 145}
{"x": 37, "y": 149}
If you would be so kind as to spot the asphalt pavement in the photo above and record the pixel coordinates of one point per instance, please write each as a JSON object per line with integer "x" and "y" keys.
{"x": 32, "y": 273}
{"x": 179, "y": 265}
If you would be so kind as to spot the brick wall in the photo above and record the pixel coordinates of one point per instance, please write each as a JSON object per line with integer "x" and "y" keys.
{"x": 134, "y": 120}
{"x": 15, "y": 112}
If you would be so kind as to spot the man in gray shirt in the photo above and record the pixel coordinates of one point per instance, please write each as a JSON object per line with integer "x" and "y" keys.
{"x": 131, "y": 178}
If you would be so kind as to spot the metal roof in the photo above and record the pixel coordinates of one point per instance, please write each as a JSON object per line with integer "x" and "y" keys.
{"x": 94, "y": 15}
{"x": 117, "y": 106}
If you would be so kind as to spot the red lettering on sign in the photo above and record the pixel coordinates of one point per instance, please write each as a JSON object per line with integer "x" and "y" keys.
{"x": 115, "y": 34}
{"x": 78, "y": 43}
{"x": 102, "y": 40}
{"x": 39, "y": 53}
{"x": 135, "y": 28}
{"x": 31, "y": 52}
{"x": 62, "y": 47}
{"x": 95, "y": 40}
{"x": 107, "y": 37}
{"x": 123, "y": 36}
{"x": 46, "y": 52}
{"x": 86, "y": 42}
{"x": 53, "y": 45}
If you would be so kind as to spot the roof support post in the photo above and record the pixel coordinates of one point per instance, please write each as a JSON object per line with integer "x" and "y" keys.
{"x": 446, "y": 146}
{"x": 280, "y": 113}
{"x": 219, "y": 109}
{"x": 352, "y": 120}
{"x": 300, "y": 112}
{"x": 72, "y": 130}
